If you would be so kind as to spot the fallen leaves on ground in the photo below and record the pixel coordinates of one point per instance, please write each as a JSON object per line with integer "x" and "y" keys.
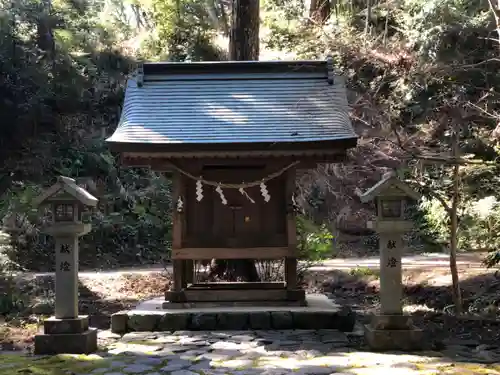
{"x": 146, "y": 285}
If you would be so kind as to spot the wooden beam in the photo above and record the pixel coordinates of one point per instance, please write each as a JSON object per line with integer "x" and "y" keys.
{"x": 223, "y": 285}
{"x": 233, "y": 253}
{"x": 291, "y": 260}
{"x": 236, "y": 295}
{"x": 271, "y": 297}
{"x": 204, "y": 241}
{"x": 160, "y": 163}
{"x": 177, "y": 275}
{"x": 177, "y": 231}
{"x": 189, "y": 271}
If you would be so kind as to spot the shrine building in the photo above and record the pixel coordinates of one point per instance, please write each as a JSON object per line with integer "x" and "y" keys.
{"x": 232, "y": 135}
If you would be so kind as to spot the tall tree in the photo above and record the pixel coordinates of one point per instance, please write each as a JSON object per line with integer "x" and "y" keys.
{"x": 243, "y": 46}
{"x": 244, "y": 36}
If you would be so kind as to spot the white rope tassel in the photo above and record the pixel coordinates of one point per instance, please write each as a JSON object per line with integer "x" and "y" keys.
{"x": 180, "y": 204}
{"x": 264, "y": 192}
{"x": 221, "y": 194}
{"x": 243, "y": 192}
{"x": 199, "y": 190}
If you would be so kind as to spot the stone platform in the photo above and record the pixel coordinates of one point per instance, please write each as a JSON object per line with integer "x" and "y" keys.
{"x": 66, "y": 336}
{"x": 320, "y": 313}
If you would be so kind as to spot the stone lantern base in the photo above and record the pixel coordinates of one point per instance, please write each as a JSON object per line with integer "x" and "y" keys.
{"x": 68, "y": 336}
{"x": 393, "y": 332}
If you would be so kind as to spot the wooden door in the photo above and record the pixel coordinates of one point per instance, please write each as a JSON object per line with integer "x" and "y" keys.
{"x": 236, "y": 223}
{"x": 240, "y": 222}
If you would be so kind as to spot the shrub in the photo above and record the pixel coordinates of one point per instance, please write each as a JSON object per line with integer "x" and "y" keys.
{"x": 315, "y": 242}
{"x": 479, "y": 225}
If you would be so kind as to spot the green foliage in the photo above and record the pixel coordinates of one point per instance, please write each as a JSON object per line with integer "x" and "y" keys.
{"x": 440, "y": 29}
{"x": 131, "y": 226}
{"x": 315, "y": 242}
{"x": 437, "y": 65}
{"x": 188, "y": 29}
{"x": 286, "y": 10}
{"x": 436, "y": 221}
{"x": 56, "y": 104}
{"x": 64, "y": 65}
{"x": 10, "y": 299}
{"x": 479, "y": 225}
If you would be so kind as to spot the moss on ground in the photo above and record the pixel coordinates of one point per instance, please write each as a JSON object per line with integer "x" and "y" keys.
{"x": 63, "y": 364}
{"x": 11, "y": 364}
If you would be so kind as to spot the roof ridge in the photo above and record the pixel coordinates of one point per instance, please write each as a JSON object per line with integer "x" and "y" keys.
{"x": 207, "y": 67}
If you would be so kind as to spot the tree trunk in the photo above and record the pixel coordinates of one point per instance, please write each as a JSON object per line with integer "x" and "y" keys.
{"x": 386, "y": 27}
{"x": 45, "y": 36}
{"x": 320, "y": 10}
{"x": 457, "y": 295}
{"x": 495, "y": 8}
{"x": 243, "y": 46}
{"x": 368, "y": 16}
{"x": 244, "y": 37}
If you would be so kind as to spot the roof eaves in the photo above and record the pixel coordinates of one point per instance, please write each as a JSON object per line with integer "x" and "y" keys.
{"x": 335, "y": 143}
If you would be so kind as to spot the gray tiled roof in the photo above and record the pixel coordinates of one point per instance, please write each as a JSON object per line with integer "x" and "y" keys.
{"x": 200, "y": 103}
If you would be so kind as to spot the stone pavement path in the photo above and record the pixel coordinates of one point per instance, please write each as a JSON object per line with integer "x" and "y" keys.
{"x": 242, "y": 353}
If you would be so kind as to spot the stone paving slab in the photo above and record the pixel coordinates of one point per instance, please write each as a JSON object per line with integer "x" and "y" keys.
{"x": 303, "y": 352}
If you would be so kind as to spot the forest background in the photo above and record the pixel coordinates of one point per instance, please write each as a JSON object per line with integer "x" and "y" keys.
{"x": 422, "y": 82}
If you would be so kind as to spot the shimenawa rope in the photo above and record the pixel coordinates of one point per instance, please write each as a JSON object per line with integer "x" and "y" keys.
{"x": 237, "y": 186}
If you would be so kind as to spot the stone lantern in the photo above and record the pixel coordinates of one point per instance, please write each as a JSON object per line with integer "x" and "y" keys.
{"x": 390, "y": 329}
{"x": 66, "y": 332}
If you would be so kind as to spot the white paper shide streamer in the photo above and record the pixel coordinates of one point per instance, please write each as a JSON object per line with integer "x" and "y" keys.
{"x": 244, "y": 193}
{"x": 221, "y": 194}
{"x": 264, "y": 192}
{"x": 199, "y": 191}
{"x": 180, "y": 204}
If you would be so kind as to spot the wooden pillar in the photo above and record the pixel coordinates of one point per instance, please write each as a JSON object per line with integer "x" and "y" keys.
{"x": 291, "y": 261}
{"x": 188, "y": 271}
{"x": 177, "y": 229}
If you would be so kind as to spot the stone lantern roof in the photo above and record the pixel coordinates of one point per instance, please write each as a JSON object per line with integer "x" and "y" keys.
{"x": 66, "y": 189}
{"x": 389, "y": 185}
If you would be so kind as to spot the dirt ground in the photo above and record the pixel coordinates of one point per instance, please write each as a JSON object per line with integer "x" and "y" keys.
{"x": 427, "y": 298}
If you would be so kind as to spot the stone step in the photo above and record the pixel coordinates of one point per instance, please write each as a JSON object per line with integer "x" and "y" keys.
{"x": 321, "y": 313}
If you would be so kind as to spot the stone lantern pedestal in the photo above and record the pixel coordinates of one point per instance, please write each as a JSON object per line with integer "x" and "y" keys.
{"x": 67, "y": 331}
{"x": 390, "y": 329}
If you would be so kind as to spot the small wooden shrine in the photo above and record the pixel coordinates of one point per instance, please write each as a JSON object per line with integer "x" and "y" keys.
{"x": 233, "y": 135}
